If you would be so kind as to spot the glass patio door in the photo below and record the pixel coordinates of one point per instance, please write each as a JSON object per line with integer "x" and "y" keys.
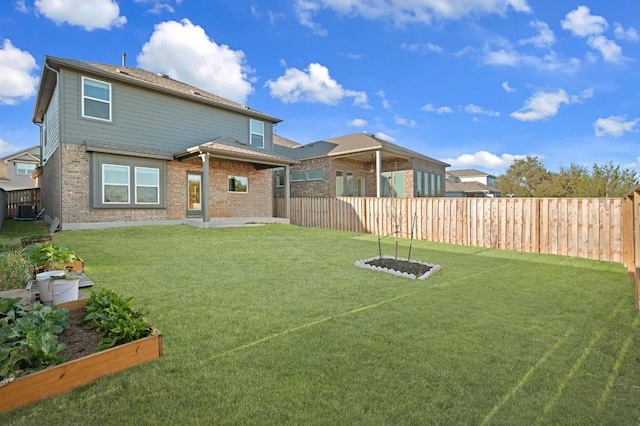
{"x": 194, "y": 200}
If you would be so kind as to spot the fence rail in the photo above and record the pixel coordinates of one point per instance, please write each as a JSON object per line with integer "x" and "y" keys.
{"x": 581, "y": 227}
{"x": 22, "y": 197}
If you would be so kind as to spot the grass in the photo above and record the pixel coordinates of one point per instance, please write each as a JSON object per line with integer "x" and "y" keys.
{"x": 275, "y": 325}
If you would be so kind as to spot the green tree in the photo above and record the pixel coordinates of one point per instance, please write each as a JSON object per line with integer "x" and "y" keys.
{"x": 610, "y": 181}
{"x": 525, "y": 177}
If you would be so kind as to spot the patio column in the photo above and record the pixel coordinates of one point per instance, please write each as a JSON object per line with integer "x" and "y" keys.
{"x": 205, "y": 187}
{"x": 378, "y": 174}
{"x": 287, "y": 193}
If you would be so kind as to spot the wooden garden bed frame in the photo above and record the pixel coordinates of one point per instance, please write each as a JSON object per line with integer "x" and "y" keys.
{"x": 70, "y": 375}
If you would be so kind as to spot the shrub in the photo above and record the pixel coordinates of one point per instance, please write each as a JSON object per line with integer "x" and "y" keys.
{"x": 15, "y": 270}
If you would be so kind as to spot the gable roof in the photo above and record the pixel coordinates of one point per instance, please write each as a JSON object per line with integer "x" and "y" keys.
{"x": 469, "y": 188}
{"x": 135, "y": 76}
{"x": 363, "y": 144}
{"x": 24, "y": 155}
{"x": 229, "y": 148}
{"x": 468, "y": 173}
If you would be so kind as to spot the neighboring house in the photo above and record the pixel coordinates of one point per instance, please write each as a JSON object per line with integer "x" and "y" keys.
{"x": 122, "y": 144}
{"x": 358, "y": 165}
{"x": 470, "y": 183}
{"x": 16, "y": 169}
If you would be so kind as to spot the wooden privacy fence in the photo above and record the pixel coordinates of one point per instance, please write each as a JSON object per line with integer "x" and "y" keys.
{"x": 631, "y": 238}
{"x": 22, "y": 197}
{"x": 581, "y": 227}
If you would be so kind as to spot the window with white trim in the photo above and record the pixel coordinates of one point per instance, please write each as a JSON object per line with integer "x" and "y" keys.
{"x": 25, "y": 168}
{"x": 297, "y": 176}
{"x": 115, "y": 184}
{"x": 147, "y": 185}
{"x": 123, "y": 182}
{"x": 279, "y": 180}
{"x": 238, "y": 184}
{"x": 257, "y": 133}
{"x": 96, "y": 99}
{"x": 314, "y": 175}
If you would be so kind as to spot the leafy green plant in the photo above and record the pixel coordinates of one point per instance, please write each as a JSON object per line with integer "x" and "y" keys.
{"x": 29, "y": 338}
{"x": 114, "y": 317}
{"x": 49, "y": 255}
{"x": 15, "y": 271}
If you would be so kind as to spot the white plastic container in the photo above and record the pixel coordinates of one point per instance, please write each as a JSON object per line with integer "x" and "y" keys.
{"x": 64, "y": 290}
{"x": 44, "y": 289}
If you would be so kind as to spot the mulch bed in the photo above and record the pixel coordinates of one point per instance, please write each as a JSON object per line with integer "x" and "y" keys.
{"x": 406, "y": 266}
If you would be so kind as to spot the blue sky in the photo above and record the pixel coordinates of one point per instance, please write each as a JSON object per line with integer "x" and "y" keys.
{"x": 475, "y": 83}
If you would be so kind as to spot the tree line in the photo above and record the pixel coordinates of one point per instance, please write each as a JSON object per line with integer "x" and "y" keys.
{"x": 528, "y": 177}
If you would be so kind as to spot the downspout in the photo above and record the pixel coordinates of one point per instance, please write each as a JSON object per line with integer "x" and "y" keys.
{"x": 59, "y": 145}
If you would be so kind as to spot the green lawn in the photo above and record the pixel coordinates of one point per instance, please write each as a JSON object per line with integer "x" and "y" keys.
{"x": 275, "y": 325}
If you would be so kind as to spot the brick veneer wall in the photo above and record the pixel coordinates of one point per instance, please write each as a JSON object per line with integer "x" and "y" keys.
{"x": 76, "y": 191}
{"x": 327, "y": 186}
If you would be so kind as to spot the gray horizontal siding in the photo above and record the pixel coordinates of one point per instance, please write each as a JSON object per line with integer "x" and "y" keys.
{"x": 52, "y": 126}
{"x": 151, "y": 120}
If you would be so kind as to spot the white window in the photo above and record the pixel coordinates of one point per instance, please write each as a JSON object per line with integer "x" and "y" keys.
{"x": 279, "y": 180}
{"x": 115, "y": 184}
{"x": 96, "y": 99}
{"x": 147, "y": 185}
{"x": 297, "y": 176}
{"x": 25, "y": 168}
{"x": 339, "y": 184}
{"x": 257, "y": 133}
{"x": 350, "y": 189}
{"x": 314, "y": 175}
{"x": 238, "y": 184}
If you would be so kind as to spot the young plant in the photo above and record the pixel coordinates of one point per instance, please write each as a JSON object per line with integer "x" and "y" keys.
{"x": 29, "y": 338}
{"x": 114, "y": 317}
{"x": 51, "y": 256}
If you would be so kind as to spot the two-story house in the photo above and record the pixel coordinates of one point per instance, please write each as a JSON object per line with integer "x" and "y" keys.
{"x": 16, "y": 169}
{"x": 358, "y": 165}
{"x": 122, "y": 144}
{"x": 470, "y": 183}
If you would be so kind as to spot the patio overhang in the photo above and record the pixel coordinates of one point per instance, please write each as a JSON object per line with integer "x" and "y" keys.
{"x": 231, "y": 149}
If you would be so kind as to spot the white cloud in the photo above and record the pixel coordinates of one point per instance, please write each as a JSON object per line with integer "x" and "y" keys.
{"x": 545, "y": 37}
{"x": 157, "y": 6}
{"x": 185, "y": 52}
{"x": 385, "y": 137}
{"x": 614, "y": 126}
{"x": 621, "y": 33}
{"x": 21, "y": 6}
{"x": 421, "y": 47}
{"x": 6, "y": 148}
{"x": 404, "y": 11}
{"x": 546, "y": 104}
{"x": 313, "y": 85}
{"x": 402, "y": 121}
{"x": 582, "y": 23}
{"x": 357, "y": 122}
{"x": 507, "y": 88}
{"x": 609, "y": 49}
{"x": 483, "y": 159}
{"x": 88, "y": 14}
{"x": 507, "y": 56}
{"x": 437, "y": 110}
{"x": 478, "y": 110}
{"x": 304, "y": 12}
{"x": 383, "y": 98}
{"x": 17, "y": 68}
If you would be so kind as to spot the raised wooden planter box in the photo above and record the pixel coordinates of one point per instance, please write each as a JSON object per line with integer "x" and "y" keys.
{"x": 73, "y": 374}
{"x": 24, "y": 294}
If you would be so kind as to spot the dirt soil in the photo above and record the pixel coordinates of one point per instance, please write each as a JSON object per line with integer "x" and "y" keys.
{"x": 407, "y": 266}
{"x": 80, "y": 338}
